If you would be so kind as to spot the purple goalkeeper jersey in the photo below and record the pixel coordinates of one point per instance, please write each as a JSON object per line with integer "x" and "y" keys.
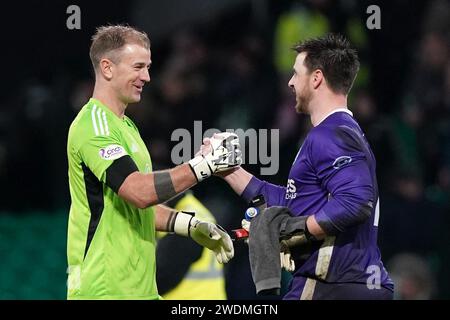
{"x": 333, "y": 177}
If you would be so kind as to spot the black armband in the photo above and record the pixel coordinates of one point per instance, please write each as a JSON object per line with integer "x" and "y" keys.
{"x": 118, "y": 171}
{"x": 164, "y": 186}
{"x": 171, "y": 221}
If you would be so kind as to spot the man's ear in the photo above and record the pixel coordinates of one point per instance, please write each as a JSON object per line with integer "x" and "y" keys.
{"x": 106, "y": 67}
{"x": 317, "y": 78}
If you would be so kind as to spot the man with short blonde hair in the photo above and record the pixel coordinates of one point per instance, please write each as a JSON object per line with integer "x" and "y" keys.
{"x": 108, "y": 40}
{"x": 116, "y": 198}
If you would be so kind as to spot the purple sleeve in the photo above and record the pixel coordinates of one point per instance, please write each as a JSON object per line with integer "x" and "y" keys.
{"x": 273, "y": 194}
{"x": 343, "y": 169}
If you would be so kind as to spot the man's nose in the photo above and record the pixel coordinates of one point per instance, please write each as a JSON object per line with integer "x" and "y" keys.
{"x": 145, "y": 76}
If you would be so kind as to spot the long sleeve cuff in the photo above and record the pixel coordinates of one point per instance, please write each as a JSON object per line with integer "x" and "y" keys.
{"x": 252, "y": 189}
{"x": 334, "y": 218}
{"x": 325, "y": 223}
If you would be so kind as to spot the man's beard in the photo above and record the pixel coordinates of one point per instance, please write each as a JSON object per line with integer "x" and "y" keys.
{"x": 303, "y": 100}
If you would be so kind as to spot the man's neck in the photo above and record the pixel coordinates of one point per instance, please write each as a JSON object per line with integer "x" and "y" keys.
{"x": 321, "y": 109}
{"x": 108, "y": 98}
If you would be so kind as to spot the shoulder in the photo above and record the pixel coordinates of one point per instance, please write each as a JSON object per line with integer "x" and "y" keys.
{"x": 333, "y": 142}
{"x": 91, "y": 123}
{"x": 131, "y": 123}
{"x": 79, "y": 128}
{"x": 322, "y": 137}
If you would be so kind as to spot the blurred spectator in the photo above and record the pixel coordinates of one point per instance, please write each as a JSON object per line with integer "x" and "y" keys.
{"x": 439, "y": 192}
{"x": 437, "y": 17}
{"x": 409, "y": 221}
{"x": 193, "y": 273}
{"x": 412, "y": 276}
{"x": 303, "y": 20}
{"x": 428, "y": 83}
{"x": 378, "y": 131}
{"x": 406, "y": 128}
{"x": 247, "y": 88}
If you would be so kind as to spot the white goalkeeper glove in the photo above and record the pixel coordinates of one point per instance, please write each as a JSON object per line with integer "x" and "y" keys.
{"x": 206, "y": 234}
{"x": 245, "y": 225}
{"x": 223, "y": 153}
{"x": 285, "y": 252}
{"x": 287, "y": 263}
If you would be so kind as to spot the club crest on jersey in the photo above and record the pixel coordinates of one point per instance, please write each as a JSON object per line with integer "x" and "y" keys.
{"x": 341, "y": 161}
{"x": 112, "y": 152}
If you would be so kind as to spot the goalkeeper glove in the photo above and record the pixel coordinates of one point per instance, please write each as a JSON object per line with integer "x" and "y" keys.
{"x": 298, "y": 239}
{"x": 224, "y": 153}
{"x": 206, "y": 234}
{"x": 287, "y": 263}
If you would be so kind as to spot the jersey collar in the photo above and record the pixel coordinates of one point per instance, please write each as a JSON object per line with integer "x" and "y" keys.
{"x": 99, "y": 104}
{"x": 340, "y": 109}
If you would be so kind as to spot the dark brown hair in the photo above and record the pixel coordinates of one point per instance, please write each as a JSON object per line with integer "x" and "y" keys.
{"x": 333, "y": 55}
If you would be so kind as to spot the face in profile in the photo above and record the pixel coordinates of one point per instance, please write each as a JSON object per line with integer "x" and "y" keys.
{"x": 299, "y": 83}
{"x": 131, "y": 72}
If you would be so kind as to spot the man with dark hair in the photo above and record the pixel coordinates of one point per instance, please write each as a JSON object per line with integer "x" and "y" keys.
{"x": 116, "y": 198}
{"x": 331, "y": 191}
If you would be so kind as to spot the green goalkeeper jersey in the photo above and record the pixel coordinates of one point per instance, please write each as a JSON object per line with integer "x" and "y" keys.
{"x": 111, "y": 243}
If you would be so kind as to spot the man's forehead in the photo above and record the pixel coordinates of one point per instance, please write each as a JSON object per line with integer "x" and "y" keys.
{"x": 299, "y": 59}
{"x": 135, "y": 51}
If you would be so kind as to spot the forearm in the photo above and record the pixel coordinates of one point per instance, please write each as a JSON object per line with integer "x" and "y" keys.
{"x": 342, "y": 213}
{"x": 144, "y": 190}
{"x": 164, "y": 218}
{"x": 314, "y": 228}
{"x": 238, "y": 179}
{"x": 274, "y": 195}
{"x": 248, "y": 186}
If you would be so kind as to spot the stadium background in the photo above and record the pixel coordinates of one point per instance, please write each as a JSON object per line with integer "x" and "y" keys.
{"x": 226, "y": 62}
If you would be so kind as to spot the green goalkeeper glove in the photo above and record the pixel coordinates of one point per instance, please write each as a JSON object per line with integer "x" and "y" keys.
{"x": 206, "y": 234}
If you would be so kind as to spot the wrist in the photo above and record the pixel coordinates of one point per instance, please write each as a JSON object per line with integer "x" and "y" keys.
{"x": 182, "y": 224}
{"x": 309, "y": 236}
{"x": 200, "y": 168}
{"x": 229, "y": 175}
{"x": 314, "y": 229}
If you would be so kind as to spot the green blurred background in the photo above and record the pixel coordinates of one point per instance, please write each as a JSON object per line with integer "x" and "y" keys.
{"x": 33, "y": 255}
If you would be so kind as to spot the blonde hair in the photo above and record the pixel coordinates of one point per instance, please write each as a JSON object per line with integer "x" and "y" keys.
{"x": 108, "y": 40}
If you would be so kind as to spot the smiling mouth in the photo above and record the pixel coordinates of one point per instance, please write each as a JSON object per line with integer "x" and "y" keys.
{"x": 138, "y": 88}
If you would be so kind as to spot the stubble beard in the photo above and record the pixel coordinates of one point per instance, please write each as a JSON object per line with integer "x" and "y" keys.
{"x": 303, "y": 100}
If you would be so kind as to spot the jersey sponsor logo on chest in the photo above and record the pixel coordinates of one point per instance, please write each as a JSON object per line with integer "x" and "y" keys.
{"x": 291, "y": 190}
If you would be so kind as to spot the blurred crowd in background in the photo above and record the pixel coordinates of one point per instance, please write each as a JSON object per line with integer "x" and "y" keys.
{"x": 229, "y": 68}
